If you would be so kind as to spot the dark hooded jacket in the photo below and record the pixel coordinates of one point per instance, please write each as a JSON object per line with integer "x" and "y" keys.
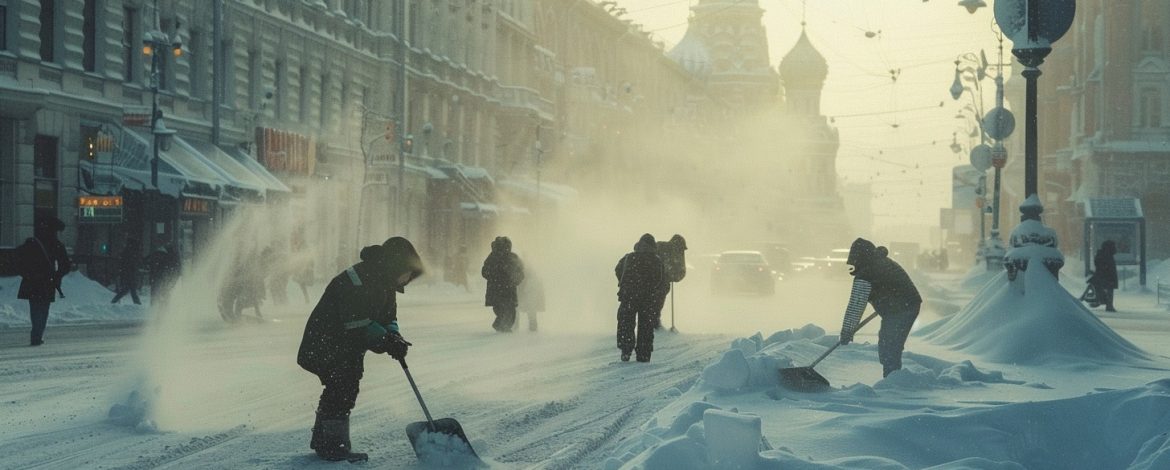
{"x": 335, "y": 335}
{"x": 891, "y": 290}
{"x": 1105, "y": 267}
{"x": 42, "y": 262}
{"x": 504, "y": 272}
{"x": 640, "y": 274}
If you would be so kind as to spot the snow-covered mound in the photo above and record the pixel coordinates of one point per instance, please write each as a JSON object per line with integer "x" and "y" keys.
{"x": 1042, "y": 324}
{"x": 85, "y": 301}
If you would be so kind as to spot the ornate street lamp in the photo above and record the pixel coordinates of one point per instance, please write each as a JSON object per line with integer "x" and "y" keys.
{"x": 154, "y": 45}
{"x": 1033, "y": 25}
{"x": 972, "y": 5}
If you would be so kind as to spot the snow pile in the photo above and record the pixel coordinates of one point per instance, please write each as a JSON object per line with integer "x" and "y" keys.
{"x": 914, "y": 376}
{"x": 444, "y": 450}
{"x": 135, "y": 411}
{"x": 1041, "y": 324}
{"x": 85, "y": 301}
{"x": 702, "y": 436}
{"x": 753, "y": 362}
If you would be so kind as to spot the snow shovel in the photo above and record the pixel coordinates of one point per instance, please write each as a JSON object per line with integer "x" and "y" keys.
{"x": 805, "y": 379}
{"x": 444, "y": 436}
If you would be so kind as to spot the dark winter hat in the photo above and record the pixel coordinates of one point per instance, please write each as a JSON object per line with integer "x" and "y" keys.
{"x": 646, "y": 243}
{"x": 49, "y": 223}
{"x": 1109, "y": 246}
{"x": 861, "y": 251}
{"x": 402, "y": 258}
{"x": 679, "y": 242}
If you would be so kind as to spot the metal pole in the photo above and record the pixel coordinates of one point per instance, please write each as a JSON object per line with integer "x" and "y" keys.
{"x": 400, "y": 104}
{"x": 1031, "y": 145}
{"x": 216, "y": 68}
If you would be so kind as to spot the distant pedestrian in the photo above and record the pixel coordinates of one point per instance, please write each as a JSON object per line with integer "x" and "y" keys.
{"x": 165, "y": 267}
{"x": 128, "y": 264}
{"x": 1105, "y": 273}
{"x": 357, "y": 313}
{"x": 504, "y": 272}
{"x": 641, "y": 280}
{"x": 882, "y": 282}
{"x": 42, "y": 263}
{"x": 531, "y": 293}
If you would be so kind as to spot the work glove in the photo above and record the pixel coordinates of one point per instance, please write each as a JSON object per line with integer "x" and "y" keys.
{"x": 396, "y": 346}
{"x": 376, "y": 337}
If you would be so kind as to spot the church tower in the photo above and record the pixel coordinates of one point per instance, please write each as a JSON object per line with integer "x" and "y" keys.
{"x": 727, "y": 45}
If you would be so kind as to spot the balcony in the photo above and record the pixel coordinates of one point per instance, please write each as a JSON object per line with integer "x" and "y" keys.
{"x": 524, "y": 100}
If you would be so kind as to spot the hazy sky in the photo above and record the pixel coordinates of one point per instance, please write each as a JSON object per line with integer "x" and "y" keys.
{"x": 910, "y": 164}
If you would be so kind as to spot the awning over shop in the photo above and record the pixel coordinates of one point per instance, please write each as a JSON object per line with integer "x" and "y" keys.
{"x": 558, "y": 193}
{"x": 480, "y": 209}
{"x": 181, "y": 169}
{"x": 237, "y": 174}
{"x": 270, "y": 181}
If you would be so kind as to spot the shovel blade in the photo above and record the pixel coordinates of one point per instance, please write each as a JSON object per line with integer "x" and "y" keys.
{"x": 803, "y": 379}
{"x": 444, "y": 443}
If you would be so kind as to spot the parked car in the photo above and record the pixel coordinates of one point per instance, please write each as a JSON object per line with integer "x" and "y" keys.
{"x": 742, "y": 271}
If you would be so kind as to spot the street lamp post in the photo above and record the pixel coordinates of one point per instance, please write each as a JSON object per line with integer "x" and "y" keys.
{"x": 980, "y": 153}
{"x": 1033, "y": 25}
{"x": 154, "y": 45}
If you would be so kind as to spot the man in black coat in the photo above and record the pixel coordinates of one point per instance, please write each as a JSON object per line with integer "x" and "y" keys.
{"x": 42, "y": 262}
{"x": 1105, "y": 273}
{"x": 128, "y": 264}
{"x": 882, "y": 282}
{"x": 641, "y": 280}
{"x": 504, "y": 272}
{"x": 357, "y": 312}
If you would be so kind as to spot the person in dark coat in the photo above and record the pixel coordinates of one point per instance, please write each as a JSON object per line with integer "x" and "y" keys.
{"x": 641, "y": 279}
{"x": 672, "y": 254}
{"x": 42, "y": 263}
{"x": 357, "y": 313}
{"x": 882, "y": 282}
{"x": 504, "y": 272}
{"x": 164, "y": 265}
{"x": 128, "y": 264}
{"x": 1105, "y": 273}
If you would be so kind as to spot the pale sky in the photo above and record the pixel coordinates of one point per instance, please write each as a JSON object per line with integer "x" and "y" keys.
{"x": 910, "y": 165}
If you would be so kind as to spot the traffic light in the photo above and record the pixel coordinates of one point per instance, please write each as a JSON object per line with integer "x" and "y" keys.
{"x": 390, "y": 131}
{"x": 407, "y": 144}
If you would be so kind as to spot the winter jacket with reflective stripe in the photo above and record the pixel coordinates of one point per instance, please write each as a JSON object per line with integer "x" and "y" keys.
{"x": 335, "y": 335}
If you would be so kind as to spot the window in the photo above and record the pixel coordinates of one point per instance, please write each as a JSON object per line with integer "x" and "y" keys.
{"x": 47, "y": 34}
{"x": 7, "y": 182}
{"x": 254, "y": 79}
{"x": 278, "y": 104}
{"x": 324, "y": 100}
{"x": 130, "y": 57}
{"x": 1151, "y": 24}
{"x": 89, "y": 36}
{"x": 3, "y": 27}
{"x": 303, "y": 79}
{"x": 198, "y": 75}
{"x": 45, "y": 176}
{"x": 1150, "y": 109}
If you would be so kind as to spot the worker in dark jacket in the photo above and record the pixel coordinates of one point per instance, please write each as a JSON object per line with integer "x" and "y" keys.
{"x": 357, "y": 313}
{"x": 880, "y": 281}
{"x": 504, "y": 272}
{"x": 42, "y": 262}
{"x": 641, "y": 280}
{"x": 1105, "y": 273}
{"x": 128, "y": 264}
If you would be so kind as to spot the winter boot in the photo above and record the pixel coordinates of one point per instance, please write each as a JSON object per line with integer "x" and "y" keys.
{"x": 331, "y": 440}
{"x": 644, "y": 357}
{"x": 625, "y": 356}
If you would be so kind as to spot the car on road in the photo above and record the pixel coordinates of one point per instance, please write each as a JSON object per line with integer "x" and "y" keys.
{"x": 742, "y": 271}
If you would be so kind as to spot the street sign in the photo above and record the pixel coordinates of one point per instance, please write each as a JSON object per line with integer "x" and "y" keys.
{"x": 1053, "y": 19}
{"x": 99, "y": 209}
{"x": 981, "y": 157}
{"x": 999, "y": 123}
{"x": 998, "y": 156}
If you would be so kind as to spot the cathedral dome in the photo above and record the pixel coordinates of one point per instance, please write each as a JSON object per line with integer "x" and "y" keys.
{"x": 803, "y": 64}
{"x": 692, "y": 55}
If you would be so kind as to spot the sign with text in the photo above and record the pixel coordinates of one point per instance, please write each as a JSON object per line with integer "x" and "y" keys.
{"x": 99, "y": 209}
{"x": 190, "y": 206}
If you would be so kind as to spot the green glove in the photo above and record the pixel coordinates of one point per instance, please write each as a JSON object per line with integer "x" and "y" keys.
{"x": 376, "y": 337}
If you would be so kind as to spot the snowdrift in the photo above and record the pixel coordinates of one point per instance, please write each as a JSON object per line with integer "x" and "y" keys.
{"x": 1044, "y": 324}
{"x": 85, "y": 301}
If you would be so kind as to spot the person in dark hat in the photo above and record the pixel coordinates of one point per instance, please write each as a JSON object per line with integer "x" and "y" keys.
{"x": 42, "y": 263}
{"x": 1105, "y": 273}
{"x": 504, "y": 273}
{"x": 357, "y": 313}
{"x": 882, "y": 282}
{"x": 641, "y": 280}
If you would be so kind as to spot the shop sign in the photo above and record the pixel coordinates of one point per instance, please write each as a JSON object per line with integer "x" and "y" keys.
{"x": 196, "y": 207}
{"x": 99, "y": 209}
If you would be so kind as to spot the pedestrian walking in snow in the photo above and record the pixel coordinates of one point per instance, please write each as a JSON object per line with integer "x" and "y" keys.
{"x": 42, "y": 263}
{"x": 165, "y": 266}
{"x": 128, "y": 264}
{"x": 504, "y": 272}
{"x": 357, "y": 313}
{"x": 641, "y": 279}
{"x": 1105, "y": 273}
{"x": 882, "y": 282}
{"x": 531, "y": 293}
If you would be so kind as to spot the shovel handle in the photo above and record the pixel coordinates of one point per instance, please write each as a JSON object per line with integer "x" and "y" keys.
{"x": 430, "y": 422}
{"x": 826, "y": 354}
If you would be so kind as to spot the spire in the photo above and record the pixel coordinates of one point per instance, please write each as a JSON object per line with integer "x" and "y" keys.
{"x": 803, "y": 66}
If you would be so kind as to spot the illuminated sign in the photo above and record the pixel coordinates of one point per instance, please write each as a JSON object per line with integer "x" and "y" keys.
{"x": 200, "y": 207}
{"x": 99, "y": 209}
